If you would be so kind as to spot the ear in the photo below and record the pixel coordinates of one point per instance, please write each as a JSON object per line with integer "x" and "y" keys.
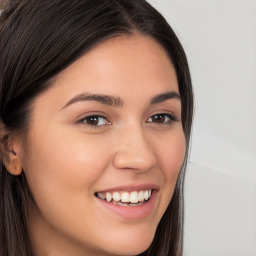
{"x": 10, "y": 158}
{"x": 12, "y": 163}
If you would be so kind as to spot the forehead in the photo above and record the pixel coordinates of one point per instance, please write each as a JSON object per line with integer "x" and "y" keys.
{"x": 136, "y": 55}
{"x": 129, "y": 67}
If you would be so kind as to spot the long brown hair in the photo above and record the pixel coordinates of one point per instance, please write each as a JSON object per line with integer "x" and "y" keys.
{"x": 38, "y": 39}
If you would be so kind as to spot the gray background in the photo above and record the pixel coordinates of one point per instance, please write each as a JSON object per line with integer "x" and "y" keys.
{"x": 219, "y": 38}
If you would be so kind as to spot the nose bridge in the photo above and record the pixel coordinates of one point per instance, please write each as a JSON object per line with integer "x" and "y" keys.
{"x": 134, "y": 150}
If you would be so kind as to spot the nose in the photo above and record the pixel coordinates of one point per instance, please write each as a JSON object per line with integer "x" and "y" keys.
{"x": 134, "y": 151}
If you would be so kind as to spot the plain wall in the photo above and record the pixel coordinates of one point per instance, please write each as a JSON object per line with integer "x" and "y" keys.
{"x": 219, "y": 38}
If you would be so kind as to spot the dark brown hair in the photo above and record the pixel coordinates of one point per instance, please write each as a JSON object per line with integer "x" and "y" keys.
{"x": 39, "y": 39}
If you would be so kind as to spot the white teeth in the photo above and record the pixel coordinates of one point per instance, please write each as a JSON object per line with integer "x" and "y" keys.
{"x": 134, "y": 197}
{"x": 141, "y": 196}
{"x": 146, "y": 194}
{"x": 116, "y": 196}
{"x": 101, "y": 196}
{"x": 125, "y": 198}
{"x": 108, "y": 196}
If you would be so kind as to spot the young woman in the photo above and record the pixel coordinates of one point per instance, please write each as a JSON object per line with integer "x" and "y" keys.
{"x": 96, "y": 110}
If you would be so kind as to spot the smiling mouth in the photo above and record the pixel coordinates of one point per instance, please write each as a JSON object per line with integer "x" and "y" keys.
{"x": 134, "y": 198}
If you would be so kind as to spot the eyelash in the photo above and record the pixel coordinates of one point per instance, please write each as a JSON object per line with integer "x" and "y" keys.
{"x": 171, "y": 118}
{"x": 94, "y": 117}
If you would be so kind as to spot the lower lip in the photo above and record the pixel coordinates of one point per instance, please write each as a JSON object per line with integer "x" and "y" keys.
{"x": 132, "y": 212}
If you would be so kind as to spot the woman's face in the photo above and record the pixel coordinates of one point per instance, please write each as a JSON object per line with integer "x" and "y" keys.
{"x": 109, "y": 127}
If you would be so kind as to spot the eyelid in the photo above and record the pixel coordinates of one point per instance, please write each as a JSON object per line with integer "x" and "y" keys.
{"x": 171, "y": 116}
{"x": 82, "y": 120}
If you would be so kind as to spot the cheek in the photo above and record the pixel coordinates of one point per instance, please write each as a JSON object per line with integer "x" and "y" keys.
{"x": 172, "y": 152}
{"x": 171, "y": 155}
{"x": 65, "y": 157}
{"x": 61, "y": 178}
{"x": 60, "y": 166}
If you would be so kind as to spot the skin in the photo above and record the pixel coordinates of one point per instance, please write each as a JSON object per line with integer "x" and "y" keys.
{"x": 68, "y": 160}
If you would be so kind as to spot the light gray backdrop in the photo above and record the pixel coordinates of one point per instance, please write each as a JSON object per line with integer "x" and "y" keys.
{"x": 219, "y": 38}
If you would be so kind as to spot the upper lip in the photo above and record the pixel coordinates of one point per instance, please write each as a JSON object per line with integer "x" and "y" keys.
{"x": 131, "y": 188}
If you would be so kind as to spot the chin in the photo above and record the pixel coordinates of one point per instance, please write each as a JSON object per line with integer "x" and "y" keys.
{"x": 132, "y": 244}
{"x": 131, "y": 250}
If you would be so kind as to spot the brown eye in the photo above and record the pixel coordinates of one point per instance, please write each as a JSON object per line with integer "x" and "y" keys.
{"x": 162, "y": 118}
{"x": 158, "y": 118}
{"x": 95, "y": 120}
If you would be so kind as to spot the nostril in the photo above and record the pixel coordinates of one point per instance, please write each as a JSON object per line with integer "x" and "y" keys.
{"x": 134, "y": 150}
{"x": 134, "y": 158}
{"x": 134, "y": 161}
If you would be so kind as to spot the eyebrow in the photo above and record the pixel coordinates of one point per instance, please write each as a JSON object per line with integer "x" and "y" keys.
{"x": 103, "y": 99}
{"x": 116, "y": 101}
{"x": 164, "y": 96}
